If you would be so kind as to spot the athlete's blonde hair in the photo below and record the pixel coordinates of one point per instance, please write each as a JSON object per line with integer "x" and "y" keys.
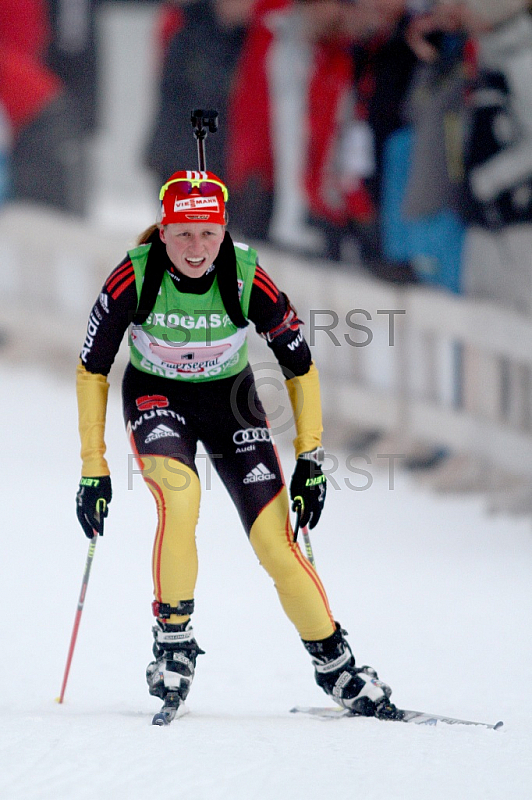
{"x": 146, "y": 235}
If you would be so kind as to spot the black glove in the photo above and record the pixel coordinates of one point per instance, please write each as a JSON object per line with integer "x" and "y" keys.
{"x": 308, "y": 488}
{"x": 92, "y": 499}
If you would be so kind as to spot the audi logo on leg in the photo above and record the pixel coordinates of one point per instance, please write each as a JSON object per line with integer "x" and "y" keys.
{"x": 249, "y": 435}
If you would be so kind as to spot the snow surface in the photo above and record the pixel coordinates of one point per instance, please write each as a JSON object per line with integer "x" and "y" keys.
{"x": 434, "y": 593}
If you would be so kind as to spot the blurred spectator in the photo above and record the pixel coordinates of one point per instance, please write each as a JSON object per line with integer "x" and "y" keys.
{"x": 47, "y": 160}
{"x": 341, "y": 157}
{"x": 307, "y": 156}
{"x": 499, "y": 176}
{"x": 497, "y": 173}
{"x": 250, "y": 158}
{"x": 498, "y": 155}
{"x": 383, "y": 70}
{"x": 423, "y": 169}
{"x": 5, "y": 155}
{"x": 295, "y": 73}
{"x": 197, "y": 70}
{"x": 71, "y": 55}
{"x": 169, "y": 21}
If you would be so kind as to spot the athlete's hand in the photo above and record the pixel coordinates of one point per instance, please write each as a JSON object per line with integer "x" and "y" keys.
{"x": 92, "y": 500}
{"x": 308, "y": 488}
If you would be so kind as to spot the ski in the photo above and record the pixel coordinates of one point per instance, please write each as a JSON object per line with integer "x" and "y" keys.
{"x": 414, "y": 717}
{"x": 173, "y": 708}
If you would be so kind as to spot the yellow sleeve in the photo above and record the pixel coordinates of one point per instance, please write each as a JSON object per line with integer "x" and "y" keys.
{"x": 92, "y": 390}
{"x": 304, "y": 393}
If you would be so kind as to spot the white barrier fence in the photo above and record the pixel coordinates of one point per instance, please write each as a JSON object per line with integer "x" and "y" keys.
{"x": 419, "y": 365}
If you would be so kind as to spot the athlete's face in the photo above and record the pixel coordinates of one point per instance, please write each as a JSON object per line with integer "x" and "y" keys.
{"x": 192, "y": 247}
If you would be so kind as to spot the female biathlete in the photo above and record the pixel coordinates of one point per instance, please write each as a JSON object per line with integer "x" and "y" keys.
{"x": 187, "y": 294}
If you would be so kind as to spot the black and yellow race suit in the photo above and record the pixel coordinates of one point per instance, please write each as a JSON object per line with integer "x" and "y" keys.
{"x": 167, "y": 414}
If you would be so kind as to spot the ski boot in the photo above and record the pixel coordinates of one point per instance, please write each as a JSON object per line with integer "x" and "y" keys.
{"x": 356, "y": 688}
{"x": 170, "y": 675}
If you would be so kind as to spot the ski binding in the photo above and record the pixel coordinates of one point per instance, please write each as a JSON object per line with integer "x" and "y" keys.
{"x": 173, "y": 708}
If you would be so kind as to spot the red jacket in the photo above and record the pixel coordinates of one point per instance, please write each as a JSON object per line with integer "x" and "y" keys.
{"x": 250, "y": 151}
{"x": 26, "y": 84}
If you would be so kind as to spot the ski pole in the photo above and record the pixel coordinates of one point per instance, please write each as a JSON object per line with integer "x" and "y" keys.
{"x": 306, "y": 537}
{"x": 297, "y": 509}
{"x": 308, "y": 545}
{"x": 77, "y": 619}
